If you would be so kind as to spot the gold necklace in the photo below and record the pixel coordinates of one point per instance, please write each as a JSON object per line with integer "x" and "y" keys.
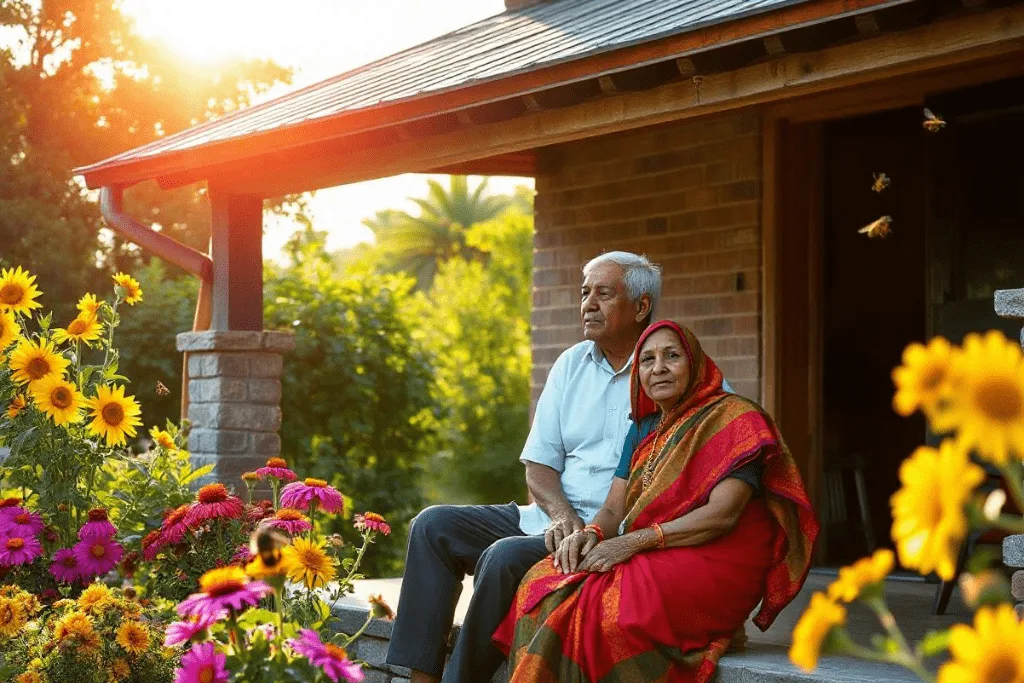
{"x": 648, "y": 475}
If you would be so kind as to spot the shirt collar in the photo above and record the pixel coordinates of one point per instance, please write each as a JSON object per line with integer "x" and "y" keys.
{"x": 597, "y": 355}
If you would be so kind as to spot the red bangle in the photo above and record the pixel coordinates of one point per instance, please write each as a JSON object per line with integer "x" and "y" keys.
{"x": 661, "y": 534}
{"x": 597, "y": 531}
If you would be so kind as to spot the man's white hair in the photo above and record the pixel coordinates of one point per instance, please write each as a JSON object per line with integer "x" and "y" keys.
{"x": 638, "y": 274}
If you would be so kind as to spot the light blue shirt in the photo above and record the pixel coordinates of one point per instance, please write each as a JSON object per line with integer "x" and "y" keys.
{"x": 578, "y": 430}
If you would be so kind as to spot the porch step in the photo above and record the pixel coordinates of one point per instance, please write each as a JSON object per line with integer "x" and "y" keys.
{"x": 770, "y": 664}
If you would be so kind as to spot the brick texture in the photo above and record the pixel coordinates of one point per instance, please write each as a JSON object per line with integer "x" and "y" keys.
{"x": 688, "y": 195}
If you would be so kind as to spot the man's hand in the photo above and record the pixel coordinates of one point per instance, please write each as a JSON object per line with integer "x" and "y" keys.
{"x": 574, "y": 548}
{"x": 609, "y": 553}
{"x": 559, "y": 529}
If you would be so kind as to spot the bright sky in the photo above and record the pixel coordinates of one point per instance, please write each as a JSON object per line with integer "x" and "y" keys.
{"x": 319, "y": 39}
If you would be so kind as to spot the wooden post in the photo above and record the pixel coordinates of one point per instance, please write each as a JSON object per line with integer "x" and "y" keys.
{"x": 237, "y": 251}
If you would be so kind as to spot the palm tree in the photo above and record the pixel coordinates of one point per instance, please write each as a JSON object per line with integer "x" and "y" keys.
{"x": 419, "y": 244}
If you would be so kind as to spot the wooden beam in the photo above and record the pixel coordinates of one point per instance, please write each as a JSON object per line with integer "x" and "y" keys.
{"x": 236, "y": 245}
{"x": 952, "y": 43}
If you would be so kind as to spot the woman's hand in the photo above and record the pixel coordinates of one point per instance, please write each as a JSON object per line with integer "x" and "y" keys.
{"x": 572, "y": 549}
{"x": 609, "y": 553}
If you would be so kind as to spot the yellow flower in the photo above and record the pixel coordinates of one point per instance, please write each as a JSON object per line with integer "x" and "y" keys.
{"x": 259, "y": 569}
{"x": 13, "y": 616}
{"x": 77, "y": 627}
{"x": 96, "y": 597}
{"x": 133, "y": 637}
{"x": 85, "y": 328}
{"x": 813, "y": 629}
{"x": 119, "y": 670}
{"x": 986, "y": 403}
{"x": 862, "y": 573}
{"x": 59, "y": 399}
{"x": 163, "y": 439}
{"x": 33, "y": 361}
{"x": 114, "y": 415}
{"x": 18, "y": 294}
{"x": 924, "y": 378}
{"x": 15, "y": 407}
{"x": 132, "y": 288}
{"x": 10, "y": 330}
{"x": 991, "y": 651}
{"x": 929, "y": 523}
{"x": 88, "y": 305}
{"x": 29, "y": 677}
{"x": 306, "y": 562}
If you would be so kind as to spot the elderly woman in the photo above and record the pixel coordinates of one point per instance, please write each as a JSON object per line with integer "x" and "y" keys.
{"x": 707, "y": 517}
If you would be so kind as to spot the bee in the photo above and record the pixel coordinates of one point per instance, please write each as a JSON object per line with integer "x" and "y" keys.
{"x": 879, "y": 228}
{"x": 882, "y": 182}
{"x": 932, "y": 123}
{"x": 161, "y": 390}
{"x": 267, "y": 542}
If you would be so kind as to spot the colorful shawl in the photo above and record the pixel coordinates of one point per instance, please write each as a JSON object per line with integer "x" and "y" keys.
{"x": 668, "y": 615}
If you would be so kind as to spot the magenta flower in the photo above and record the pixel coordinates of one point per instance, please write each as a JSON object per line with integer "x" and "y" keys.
{"x": 97, "y": 556}
{"x": 65, "y": 566}
{"x": 183, "y": 631}
{"x": 371, "y": 521}
{"x": 302, "y": 494}
{"x": 329, "y": 657}
{"x": 98, "y": 526}
{"x": 225, "y": 588}
{"x": 15, "y": 550}
{"x": 202, "y": 664}
{"x": 18, "y": 521}
{"x": 213, "y": 502}
{"x": 291, "y": 520}
{"x": 276, "y": 468}
{"x": 242, "y": 556}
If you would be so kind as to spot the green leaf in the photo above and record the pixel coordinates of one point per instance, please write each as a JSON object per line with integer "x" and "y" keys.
{"x": 933, "y": 643}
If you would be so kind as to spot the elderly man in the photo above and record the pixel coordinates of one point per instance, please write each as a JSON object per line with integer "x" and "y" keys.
{"x": 570, "y": 456}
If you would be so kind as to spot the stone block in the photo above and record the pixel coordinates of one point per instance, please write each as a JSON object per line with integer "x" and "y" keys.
{"x": 227, "y": 364}
{"x": 220, "y": 340}
{"x": 264, "y": 390}
{"x": 266, "y": 365}
{"x": 1010, "y": 303}
{"x": 1013, "y": 551}
{"x": 216, "y": 441}
{"x": 281, "y": 342}
{"x": 197, "y": 365}
{"x": 373, "y": 651}
{"x": 230, "y": 468}
{"x": 235, "y": 416}
{"x": 375, "y": 676}
{"x": 217, "y": 390}
{"x": 1017, "y": 585}
{"x": 265, "y": 444}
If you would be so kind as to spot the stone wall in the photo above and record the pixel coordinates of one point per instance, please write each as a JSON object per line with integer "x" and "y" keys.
{"x": 686, "y": 194}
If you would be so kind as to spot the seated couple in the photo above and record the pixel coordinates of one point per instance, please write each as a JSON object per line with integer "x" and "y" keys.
{"x": 667, "y": 508}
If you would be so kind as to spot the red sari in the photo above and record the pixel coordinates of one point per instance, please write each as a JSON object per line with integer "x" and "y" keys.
{"x": 668, "y": 615}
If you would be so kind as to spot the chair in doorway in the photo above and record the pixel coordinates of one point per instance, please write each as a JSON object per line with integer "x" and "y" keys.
{"x": 839, "y": 469}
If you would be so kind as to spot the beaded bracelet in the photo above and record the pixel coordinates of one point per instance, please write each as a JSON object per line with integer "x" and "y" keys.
{"x": 660, "y": 533}
{"x": 598, "y": 531}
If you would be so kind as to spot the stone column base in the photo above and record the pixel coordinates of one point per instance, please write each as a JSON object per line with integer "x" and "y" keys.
{"x": 234, "y": 398}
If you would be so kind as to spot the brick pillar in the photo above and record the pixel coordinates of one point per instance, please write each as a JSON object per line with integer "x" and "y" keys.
{"x": 1010, "y": 304}
{"x": 234, "y": 398}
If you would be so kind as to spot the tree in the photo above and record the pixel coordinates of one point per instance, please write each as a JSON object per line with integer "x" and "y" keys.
{"x": 419, "y": 244}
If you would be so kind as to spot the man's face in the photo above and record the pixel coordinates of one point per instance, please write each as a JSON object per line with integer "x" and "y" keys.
{"x": 605, "y": 309}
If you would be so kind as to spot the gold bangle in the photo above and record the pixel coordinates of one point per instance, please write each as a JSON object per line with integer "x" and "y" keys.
{"x": 660, "y": 533}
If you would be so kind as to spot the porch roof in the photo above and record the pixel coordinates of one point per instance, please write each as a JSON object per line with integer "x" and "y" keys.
{"x": 510, "y": 55}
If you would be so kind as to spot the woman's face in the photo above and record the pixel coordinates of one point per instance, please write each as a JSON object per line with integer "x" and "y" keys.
{"x": 664, "y": 368}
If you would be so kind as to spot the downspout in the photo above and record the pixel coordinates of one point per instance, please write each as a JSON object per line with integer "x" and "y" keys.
{"x": 193, "y": 261}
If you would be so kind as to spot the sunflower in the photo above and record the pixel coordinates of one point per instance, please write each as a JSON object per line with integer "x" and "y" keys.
{"x": 924, "y": 378}
{"x": 10, "y": 330}
{"x": 18, "y": 292}
{"x": 32, "y": 361}
{"x": 929, "y": 523}
{"x": 306, "y": 562}
{"x": 85, "y": 328}
{"x": 986, "y": 406}
{"x": 163, "y": 439}
{"x": 13, "y": 616}
{"x": 17, "y": 404}
{"x": 133, "y": 637}
{"x": 30, "y": 676}
{"x": 59, "y": 399}
{"x": 991, "y": 651}
{"x": 866, "y": 572}
{"x": 95, "y": 598}
{"x": 88, "y": 305}
{"x": 132, "y": 288}
{"x": 114, "y": 415}
{"x": 120, "y": 670}
{"x": 812, "y": 631}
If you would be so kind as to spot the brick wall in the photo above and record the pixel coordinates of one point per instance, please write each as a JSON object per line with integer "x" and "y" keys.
{"x": 686, "y": 194}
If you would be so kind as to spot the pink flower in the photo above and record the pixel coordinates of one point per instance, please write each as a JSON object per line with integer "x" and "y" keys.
{"x": 174, "y": 528}
{"x": 16, "y": 550}
{"x": 213, "y": 502}
{"x": 183, "y": 631}
{"x": 202, "y": 664}
{"x": 17, "y": 521}
{"x": 302, "y": 494}
{"x": 329, "y": 657}
{"x": 98, "y": 526}
{"x": 291, "y": 520}
{"x": 65, "y": 566}
{"x": 225, "y": 588}
{"x": 371, "y": 521}
{"x": 242, "y": 556}
{"x": 276, "y": 468}
{"x": 97, "y": 556}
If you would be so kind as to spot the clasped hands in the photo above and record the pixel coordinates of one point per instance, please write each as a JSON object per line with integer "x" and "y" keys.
{"x": 577, "y": 550}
